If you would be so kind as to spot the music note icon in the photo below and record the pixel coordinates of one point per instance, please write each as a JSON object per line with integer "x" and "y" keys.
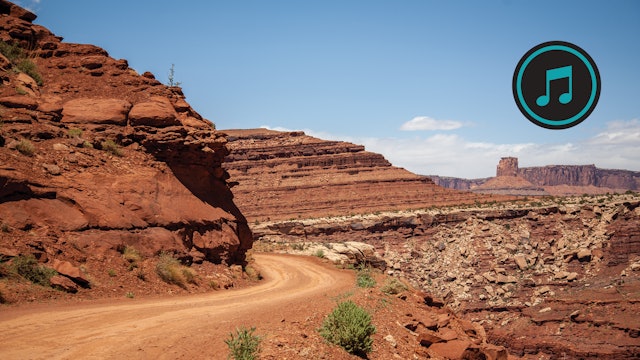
{"x": 556, "y": 74}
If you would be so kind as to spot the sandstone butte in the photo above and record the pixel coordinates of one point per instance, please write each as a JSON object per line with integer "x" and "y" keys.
{"x": 95, "y": 159}
{"x": 510, "y": 179}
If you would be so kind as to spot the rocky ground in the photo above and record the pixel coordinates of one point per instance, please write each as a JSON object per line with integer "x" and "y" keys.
{"x": 540, "y": 275}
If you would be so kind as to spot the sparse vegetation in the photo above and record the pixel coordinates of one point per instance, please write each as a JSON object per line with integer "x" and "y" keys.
{"x": 252, "y": 273}
{"x": 111, "y": 272}
{"x": 349, "y": 326}
{"x": 111, "y": 147}
{"x": 393, "y": 286}
{"x": 28, "y": 267}
{"x": 319, "y": 253}
{"x": 130, "y": 254}
{"x": 87, "y": 145}
{"x": 364, "y": 278}
{"x": 172, "y": 271}
{"x": 243, "y": 344}
{"x": 74, "y": 133}
{"x": 5, "y": 228}
{"x": 25, "y": 147}
{"x": 130, "y": 295}
{"x": 20, "y": 61}
{"x": 28, "y": 67}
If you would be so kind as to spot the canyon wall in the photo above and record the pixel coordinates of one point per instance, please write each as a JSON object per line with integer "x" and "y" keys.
{"x": 290, "y": 175}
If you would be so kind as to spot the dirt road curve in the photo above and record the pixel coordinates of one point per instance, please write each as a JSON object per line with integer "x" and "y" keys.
{"x": 189, "y": 327}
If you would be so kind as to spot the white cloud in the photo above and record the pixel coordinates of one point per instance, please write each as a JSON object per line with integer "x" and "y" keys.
{"x": 427, "y": 123}
{"x": 617, "y": 147}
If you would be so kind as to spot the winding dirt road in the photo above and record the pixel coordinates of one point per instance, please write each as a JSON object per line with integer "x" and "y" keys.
{"x": 189, "y": 327}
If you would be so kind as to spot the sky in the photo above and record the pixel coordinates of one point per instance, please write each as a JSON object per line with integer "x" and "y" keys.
{"x": 425, "y": 83}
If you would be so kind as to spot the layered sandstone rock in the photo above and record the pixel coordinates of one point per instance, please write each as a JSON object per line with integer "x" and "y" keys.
{"x": 289, "y": 175}
{"x": 95, "y": 158}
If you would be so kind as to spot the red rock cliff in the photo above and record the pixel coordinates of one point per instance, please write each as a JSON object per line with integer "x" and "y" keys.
{"x": 94, "y": 157}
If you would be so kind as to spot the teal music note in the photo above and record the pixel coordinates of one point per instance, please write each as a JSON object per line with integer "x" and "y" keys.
{"x": 556, "y": 74}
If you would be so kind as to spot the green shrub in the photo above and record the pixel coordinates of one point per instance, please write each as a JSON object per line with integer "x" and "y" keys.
{"x": 130, "y": 295}
{"x": 364, "y": 278}
{"x": 243, "y": 344}
{"x": 349, "y": 326}
{"x": 393, "y": 286}
{"x": 25, "y": 147}
{"x": 111, "y": 147}
{"x": 28, "y": 67}
{"x": 319, "y": 253}
{"x": 11, "y": 51}
{"x": 28, "y": 268}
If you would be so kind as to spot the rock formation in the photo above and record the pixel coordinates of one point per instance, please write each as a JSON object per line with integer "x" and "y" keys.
{"x": 94, "y": 158}
{"x": 551, "y": 179}
{"x": 289, "y": 175}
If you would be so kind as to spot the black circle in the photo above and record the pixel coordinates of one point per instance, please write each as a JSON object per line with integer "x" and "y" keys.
{"x": 552, "y": 69}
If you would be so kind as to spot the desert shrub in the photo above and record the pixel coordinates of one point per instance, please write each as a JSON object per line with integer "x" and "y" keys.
{"x": 74, "y": 133}
{"x": 319, "y": 253}
{"x": 28, "y": 67}
{"x": 130, "y": 254}
{"x": 111, "y": 147}
{"x": 28, "y": 268}
{"x": 243, "y": 344}
{"x": 252, "y": 273}
{"x": 393, "y": 286}
{"x": 364, "y": 278}
{"x": 25, "y": 147}
{"x": 172, "y": 271}
{"x": 11, "y": 51}
{"x": 349, "y": 326}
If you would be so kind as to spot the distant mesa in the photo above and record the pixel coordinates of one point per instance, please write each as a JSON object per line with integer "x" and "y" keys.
{"x": 546, "y": 180}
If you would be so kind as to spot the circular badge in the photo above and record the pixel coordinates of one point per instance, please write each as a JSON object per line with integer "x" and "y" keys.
{"x": 556, "y": 85}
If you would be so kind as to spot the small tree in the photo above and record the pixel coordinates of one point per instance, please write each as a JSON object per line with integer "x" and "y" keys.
{"x": 172, "y": 73}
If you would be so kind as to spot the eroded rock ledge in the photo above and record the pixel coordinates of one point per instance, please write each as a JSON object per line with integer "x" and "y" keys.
{"x": 95, "y": 157}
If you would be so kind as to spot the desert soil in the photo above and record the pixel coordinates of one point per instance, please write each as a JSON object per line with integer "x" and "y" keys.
{"x": 294, "y": 290}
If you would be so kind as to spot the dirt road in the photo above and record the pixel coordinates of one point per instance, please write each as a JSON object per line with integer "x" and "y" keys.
{"x": 189, "y": 327}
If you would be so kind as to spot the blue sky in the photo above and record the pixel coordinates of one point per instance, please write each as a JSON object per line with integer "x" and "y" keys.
{"x": 426, "y": 83}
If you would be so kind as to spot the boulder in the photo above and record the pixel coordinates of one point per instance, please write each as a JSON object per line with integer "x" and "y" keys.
{"x": 584, "y": 255}
{"x": 96, "y": 111}
{"x": 158, "y": 112}
{"x": 453, "y": 349}
{"x": 72, "y": 272}
{"x": 521, "y": 261}
{"x": 64, "y": 284}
